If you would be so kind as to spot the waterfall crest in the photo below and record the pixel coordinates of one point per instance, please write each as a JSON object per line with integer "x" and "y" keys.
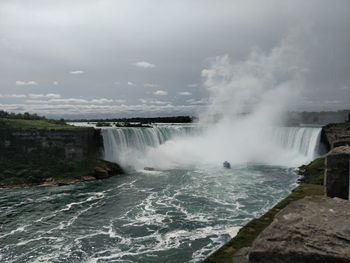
{"x": 118, "y": 141}
{"x": 189, "y": 145}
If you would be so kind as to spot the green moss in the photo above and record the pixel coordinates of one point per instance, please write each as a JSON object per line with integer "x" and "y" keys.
{"x": 250, "y": 231}
{"x": 35, "y": 124}
{"x": 313, "y": 173}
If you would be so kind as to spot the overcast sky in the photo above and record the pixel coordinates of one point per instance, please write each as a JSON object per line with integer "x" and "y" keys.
{"x": 105, "y": 58}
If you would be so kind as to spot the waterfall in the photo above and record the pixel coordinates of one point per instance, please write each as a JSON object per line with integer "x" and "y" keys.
{"x": 301, "y": 140}
{"x": 129, "y": 145}
{"x": 118, "y": 141}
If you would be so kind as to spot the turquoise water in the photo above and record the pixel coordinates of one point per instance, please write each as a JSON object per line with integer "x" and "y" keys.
{"x": 161, "y": 216}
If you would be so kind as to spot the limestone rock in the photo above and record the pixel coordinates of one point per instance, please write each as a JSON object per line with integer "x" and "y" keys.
{"x": 310, "y": 230}
{"x": 337, "y": 172}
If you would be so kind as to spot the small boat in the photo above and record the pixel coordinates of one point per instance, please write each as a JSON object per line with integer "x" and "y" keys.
{"x": 227, "y": 165}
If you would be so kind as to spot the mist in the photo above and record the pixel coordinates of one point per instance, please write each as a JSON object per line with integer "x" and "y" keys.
{"x": 248, "y": 99}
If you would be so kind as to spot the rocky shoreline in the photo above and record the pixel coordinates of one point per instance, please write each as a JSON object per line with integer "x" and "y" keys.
{"x": 102, "y": 170}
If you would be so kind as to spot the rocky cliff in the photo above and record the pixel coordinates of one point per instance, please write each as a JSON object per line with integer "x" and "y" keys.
{"x": 314, "y": 229}
{"x": 36, "y": 155}
{"x": 336, "y": 134}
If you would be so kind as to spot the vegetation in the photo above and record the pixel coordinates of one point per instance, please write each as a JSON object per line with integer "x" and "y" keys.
{"x": 312, "y": 184}
{"x": 30, "y": 121}
{"x": 103, "y": 124}
{"x": 34, "y": 124}
{"x": 313, "y": 173}
{"x": 22, "y": 116}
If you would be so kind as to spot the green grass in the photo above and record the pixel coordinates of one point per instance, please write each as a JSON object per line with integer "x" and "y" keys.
{"x": 314, "y": 171}
{"x": 250, "y": 231}
{"x": 35, "y": 124}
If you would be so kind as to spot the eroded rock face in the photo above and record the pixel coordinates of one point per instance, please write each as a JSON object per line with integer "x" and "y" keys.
{"x": 337, "y": 172}
{"x": 310, "y": 230}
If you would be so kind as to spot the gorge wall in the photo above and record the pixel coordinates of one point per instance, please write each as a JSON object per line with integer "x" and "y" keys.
{"x": 32, "y": 156}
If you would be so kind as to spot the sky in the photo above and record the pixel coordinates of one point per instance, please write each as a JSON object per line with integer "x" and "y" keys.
{"x": 124, "y": 58}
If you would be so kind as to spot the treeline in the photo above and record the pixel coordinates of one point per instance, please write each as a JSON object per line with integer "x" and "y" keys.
{"x": 21, "y": 116}
{"x": 176, "y": 119}
{"x": 28, "y": 116}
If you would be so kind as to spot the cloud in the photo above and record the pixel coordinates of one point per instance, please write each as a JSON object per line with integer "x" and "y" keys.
{"x": 13, "y": 96}
{"x": 48, "y": 96}
{"x": 56, "y": 98}
{"x": 75, "y": 111}
{"x": 153, "y": 101}
{"x": 193, "y": 85}
{"x": 55, "y": 83}
{"x": 144, "y": 64}
{"x": 131, "y": 83}
{"x": 197, "y": 102}
{"x": 160, "y": 93}
{"x": 120, "y": 101}
{"x": 76, "y": 72}
{"x": 26, "y": 83}
{"x": 101, "y": 101}
{"x": 345, "y": 88}
{"x": 185, "y": 93}
{"x": 150, "y": 85}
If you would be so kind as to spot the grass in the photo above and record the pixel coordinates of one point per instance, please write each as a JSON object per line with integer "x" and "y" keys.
{"x": 250, "y": 231}
{"x": 314, "y": 172}
{"x": 35, "y": 124}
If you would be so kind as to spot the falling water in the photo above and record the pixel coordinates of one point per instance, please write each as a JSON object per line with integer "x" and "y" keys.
{"x": 121, "y": 144}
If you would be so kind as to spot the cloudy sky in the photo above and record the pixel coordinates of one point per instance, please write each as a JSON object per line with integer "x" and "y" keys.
{"x": 105, "y": 58}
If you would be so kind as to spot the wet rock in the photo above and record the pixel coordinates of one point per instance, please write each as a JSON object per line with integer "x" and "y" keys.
{"x": 337, "y": 172}
{"x": 105, "y": 169}
{"x": 310, "y": 230}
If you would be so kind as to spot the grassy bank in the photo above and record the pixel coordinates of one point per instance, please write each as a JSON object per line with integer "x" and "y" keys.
{"x": 312, "y": 184}
{"x": 35, "y": 124}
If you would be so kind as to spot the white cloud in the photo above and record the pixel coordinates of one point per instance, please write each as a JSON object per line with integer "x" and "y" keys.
{"x": 131, "y": 83}
{"x": 26, "y": 83}
{"x": 144, "y": 64}
{"x": 69, "y": 100}
{"x": 160, "y": 93}
{"x": 197, "y": 102}
{"x": 13, "y": 96}
{"x": 116, "y": 82}
{"x": 185, "y": 93}
{"x": 47, "y": 96}
{"x": 150, "y": 85}
{"x": 120, "y": 101}
{"x": 55, "y": 83}
{"x": 76, "y": 72}
{"x": 345, "y": 88}
{"x": 88, "y": 109}
{"x": 101, "y": 101}
{"x": 153, "y": 101}
{"x": 193, "y": 85}
{"x": 56, "y": 98}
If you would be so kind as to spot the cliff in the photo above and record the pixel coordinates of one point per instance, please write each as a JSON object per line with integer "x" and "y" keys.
{"x": 336, "y": 134}
{"x": 37, "y": 152}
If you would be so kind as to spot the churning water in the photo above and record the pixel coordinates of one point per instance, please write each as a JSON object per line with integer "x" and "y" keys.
{"x": 172, "y": 215}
